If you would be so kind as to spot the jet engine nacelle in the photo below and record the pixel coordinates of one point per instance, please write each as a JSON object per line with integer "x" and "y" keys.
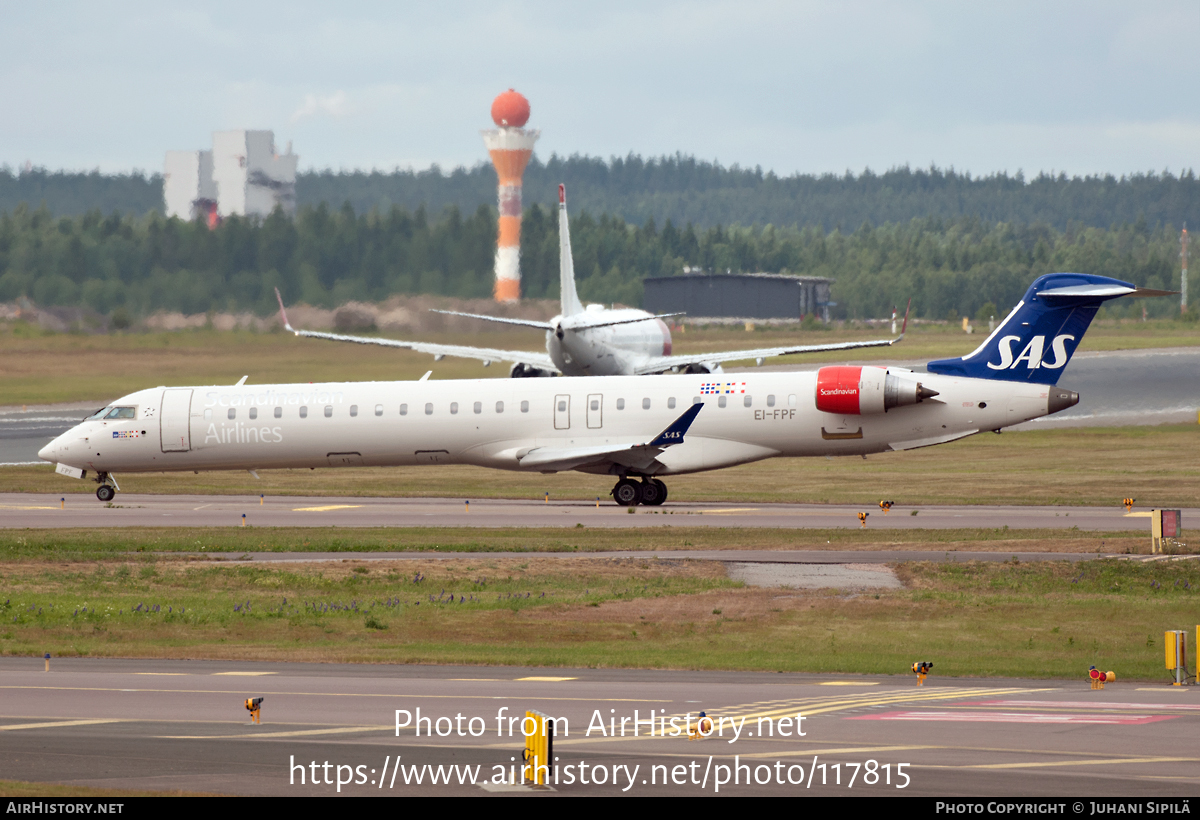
{"x": 528, "y": 371}
{"x": 857, "y": 391}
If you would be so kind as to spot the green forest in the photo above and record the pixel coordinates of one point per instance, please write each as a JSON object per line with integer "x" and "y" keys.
{"x": 684, "y": 190}
{"x": 326, "y": 256}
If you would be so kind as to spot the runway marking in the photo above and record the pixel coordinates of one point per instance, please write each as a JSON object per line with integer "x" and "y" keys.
{"x": 848, "y": 683}
{"x": 1161, "y": 689}
{"x": 1082, "y": 704}
{"x": 1102, "y": 762}
{"x": 11, "y": 507}
{"x": 818, "y": 705}
{"x": 56, "y": 724}
{"x": 300, "y": 733}
{"x": 1138, "y": 515}
{"x": 1018, "y": 717}
{"x": 244, "y": 674}
{"x": 547, "y": 680}
{"x": 163, "y": 674}
{"x": 327, "y": 508}
{"x": 344, "y": 694}
{"x": 734, "y": 510}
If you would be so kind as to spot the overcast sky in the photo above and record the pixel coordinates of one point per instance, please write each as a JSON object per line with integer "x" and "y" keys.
{"x": 803, "y": 87}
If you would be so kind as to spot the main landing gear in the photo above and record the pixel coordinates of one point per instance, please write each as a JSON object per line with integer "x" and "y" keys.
{"x": 106, "y": 491}
{"x": 630, "y": 493}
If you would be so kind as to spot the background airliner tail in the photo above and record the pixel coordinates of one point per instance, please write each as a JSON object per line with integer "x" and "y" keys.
{"x": 566, "y": 266}
{"x": 1036, "y": 340}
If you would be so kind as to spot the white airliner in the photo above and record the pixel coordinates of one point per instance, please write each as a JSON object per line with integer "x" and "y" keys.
{"x": 592, "y": 340}
{"x": 637, "y": 429}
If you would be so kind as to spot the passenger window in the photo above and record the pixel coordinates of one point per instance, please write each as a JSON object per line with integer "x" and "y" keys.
{"x": 697, "y": 400}
{"x": 303, "y": 412}
{"x": 353, "y": 410}
{"x": 562, "y": 406}
{"x": 645, "y": 404}
{"x": 454, "y": 408}
{"x": 253, "y": 412}
{"x": 791, "y": 400}
{"x": 770, "y": 400}
{"x": 478, "y": 407}
{"x": 747, "y": 401}
{"x": 499, "y": 407}
{"x": 404, "y": 409}
{"x": 379, "y": 409}
{"x": 429, "y": 409}
{"x": 595, "y": 405}
{"x": 328, "y": 411}
{"x": 671, "y": 403}
{"x": 232, "y": 412}
{"x": 208, "y": 414}
{"x": 524, "y": 407}
{"x": 278, "y": 412}
{"x": 620, "y": 404}
{"x": 721, "y": 401}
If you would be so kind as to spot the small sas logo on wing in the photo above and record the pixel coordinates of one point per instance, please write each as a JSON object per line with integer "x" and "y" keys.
{"x": 126, "y": 434}
{"x": 716, "y": 388}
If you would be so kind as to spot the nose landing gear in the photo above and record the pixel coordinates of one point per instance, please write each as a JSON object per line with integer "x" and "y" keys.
{"x": 106, "y": 491}
{"x": 629, "y": 493}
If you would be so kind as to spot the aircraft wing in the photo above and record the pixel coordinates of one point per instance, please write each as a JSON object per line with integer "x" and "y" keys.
{"x": 638, "y": 455}
{"x": 485, "y": 354}
{"x": 659, "y": 364}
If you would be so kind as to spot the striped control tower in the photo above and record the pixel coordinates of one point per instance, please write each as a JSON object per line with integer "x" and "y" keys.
{"x": 510, "y": 147}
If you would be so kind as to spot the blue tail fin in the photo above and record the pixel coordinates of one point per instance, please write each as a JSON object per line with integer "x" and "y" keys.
{"x": 1035, "y": 342}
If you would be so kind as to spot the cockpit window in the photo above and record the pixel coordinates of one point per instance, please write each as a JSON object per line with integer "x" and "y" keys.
{"x": 122, "y": 413}
{"x": 99, "y": 414}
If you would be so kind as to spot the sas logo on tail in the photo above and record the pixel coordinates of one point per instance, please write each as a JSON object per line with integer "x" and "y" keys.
{"x": 1032, "y": 354}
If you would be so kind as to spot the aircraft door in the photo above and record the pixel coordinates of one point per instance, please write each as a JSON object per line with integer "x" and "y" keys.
{"x": 175, "y": 422}
{"x": 595, "y": 411}
{"x": 562, "y": 412}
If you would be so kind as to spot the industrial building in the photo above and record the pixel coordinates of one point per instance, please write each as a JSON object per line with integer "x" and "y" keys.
{"x": 241, "y": 175}
{"x": 739, "y": 296}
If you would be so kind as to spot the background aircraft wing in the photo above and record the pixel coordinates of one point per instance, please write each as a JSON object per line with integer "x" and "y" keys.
{"x": 484, "y": 354}
{"x": 661, "y": 363}
{"x": 501, "y": 319}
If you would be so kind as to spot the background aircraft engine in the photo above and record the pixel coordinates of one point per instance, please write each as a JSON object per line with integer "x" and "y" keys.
{"x": 859, "y": 391}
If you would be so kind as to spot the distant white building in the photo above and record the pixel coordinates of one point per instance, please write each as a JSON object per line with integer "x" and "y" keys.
{"x": 241, "y": 175}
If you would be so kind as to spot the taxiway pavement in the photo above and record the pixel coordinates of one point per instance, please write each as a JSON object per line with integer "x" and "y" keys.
{"x": 165, "y": 725}
{"x": 18, "y": 510}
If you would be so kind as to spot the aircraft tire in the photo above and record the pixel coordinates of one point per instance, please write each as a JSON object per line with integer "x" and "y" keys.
{"x": 106, "y": 493}
{"x": 662, "y": 491}
{"x": 627, "y": 493}
{"x": 654, "y": 492}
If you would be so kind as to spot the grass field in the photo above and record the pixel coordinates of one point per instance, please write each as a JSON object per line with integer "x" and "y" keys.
{"x": 37, "y": 368}
{"x": 1159, "y": 466}
{"x": 975, "y": 618}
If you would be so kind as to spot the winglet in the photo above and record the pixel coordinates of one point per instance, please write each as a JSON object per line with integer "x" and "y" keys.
{"x": 674, "y": 432}
{"x": 283, "y": 313}
{"x": 904, "y": 327}
{"x": 562, "y": 194}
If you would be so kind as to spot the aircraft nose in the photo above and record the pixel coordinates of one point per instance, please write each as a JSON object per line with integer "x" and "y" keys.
{"x": 49, "y": 452}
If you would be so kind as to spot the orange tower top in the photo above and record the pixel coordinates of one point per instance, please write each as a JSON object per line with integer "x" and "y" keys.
{"x": 510, "y": 110}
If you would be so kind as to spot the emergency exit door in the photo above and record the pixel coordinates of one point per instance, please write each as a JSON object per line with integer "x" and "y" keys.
{"x": 562, "y": 412}
{"x": 595, "y": 411}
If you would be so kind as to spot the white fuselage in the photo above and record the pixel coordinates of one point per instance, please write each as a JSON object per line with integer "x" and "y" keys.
{"x": 496, "y": 422}
{"x": 611, "y": 350}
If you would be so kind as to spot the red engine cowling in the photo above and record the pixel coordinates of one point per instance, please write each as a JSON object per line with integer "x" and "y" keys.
{"x": 855, "y": 391}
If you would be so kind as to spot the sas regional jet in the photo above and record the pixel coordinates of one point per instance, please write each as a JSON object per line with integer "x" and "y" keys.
{"x": 592, "y": 340}
{"x": 634, "y": 429}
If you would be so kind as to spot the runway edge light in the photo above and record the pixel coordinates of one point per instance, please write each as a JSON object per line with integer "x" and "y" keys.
{"x": 254, "y": 705}
{"x": 922, "y": 669}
